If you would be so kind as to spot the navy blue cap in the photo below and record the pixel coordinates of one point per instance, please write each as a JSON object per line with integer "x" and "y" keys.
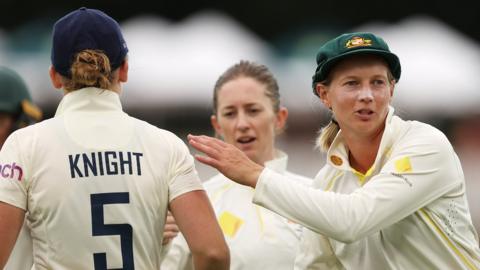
{"x": 84, "y": 29}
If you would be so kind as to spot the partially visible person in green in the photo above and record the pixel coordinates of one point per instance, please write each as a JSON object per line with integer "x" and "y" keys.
{"x": 17, "y": 111}
{"x": 16, "y": 107}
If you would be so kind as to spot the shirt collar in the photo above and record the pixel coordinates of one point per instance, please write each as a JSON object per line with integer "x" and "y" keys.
{"x": 279, "y": 163}
{"x": 89, "y": 99}
{"x": 337, "y": 154}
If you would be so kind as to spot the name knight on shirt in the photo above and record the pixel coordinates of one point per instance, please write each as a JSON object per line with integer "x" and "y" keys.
{"x": 105, "y": 163}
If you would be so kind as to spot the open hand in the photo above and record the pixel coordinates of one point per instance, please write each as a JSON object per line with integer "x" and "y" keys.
{"x": 227, "y": 159}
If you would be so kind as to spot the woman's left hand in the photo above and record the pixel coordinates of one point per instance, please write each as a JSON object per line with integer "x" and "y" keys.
{"x": 227, "y": 159}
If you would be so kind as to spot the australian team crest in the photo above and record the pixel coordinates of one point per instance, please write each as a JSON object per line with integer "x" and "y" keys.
{"x": 358, "y": 42}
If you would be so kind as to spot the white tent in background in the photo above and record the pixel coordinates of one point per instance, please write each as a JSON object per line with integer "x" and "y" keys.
{"x": 171, "y": 64}
{"x": 440, "y": 67}
{"x": 178, "y": 64}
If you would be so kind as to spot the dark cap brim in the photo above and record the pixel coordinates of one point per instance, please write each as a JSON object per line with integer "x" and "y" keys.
{"x": 9, "y": 107}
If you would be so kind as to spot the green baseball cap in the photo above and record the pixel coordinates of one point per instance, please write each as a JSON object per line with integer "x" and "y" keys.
{"x": 350, "y": 44}
{"x": 14, "y": 95}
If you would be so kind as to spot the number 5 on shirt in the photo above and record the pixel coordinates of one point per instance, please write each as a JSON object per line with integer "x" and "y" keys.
{"x": 100, "y": 228}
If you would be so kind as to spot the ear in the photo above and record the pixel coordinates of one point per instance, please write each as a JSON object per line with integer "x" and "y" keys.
{"x": 123, "y": 71}
{"x": 215, "y": 125}
{"x": 392, "y": 88}
{"x": 55, "y": 78}
{"x": 281, "y": 119}
{"x": 322, "y": 92}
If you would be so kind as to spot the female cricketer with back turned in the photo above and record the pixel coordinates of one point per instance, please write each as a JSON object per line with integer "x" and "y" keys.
{"x": 95, "y": 182}
{"x": 392, "y": 193}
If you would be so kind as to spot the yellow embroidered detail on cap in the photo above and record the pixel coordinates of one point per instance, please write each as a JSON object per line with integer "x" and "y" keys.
{"x": 336, "y": 160}
{"x": 358, "y": 42}
{"x": 229, "y": 223}
{"x": 403, "y": 165}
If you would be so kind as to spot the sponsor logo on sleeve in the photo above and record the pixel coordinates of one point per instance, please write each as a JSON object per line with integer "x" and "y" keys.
{"x": 11, "y": 171}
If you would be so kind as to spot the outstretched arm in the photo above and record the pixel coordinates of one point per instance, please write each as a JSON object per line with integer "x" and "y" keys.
{"x": 197, "y": 222}
{"x": 11, "y": 220}
{"x": 382, "y": 201}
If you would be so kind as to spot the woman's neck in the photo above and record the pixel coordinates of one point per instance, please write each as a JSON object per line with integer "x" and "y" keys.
{"x": 363, "y": 150}
{"x": 270, "y": 155}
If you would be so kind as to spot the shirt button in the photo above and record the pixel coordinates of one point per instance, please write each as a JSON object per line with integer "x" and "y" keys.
{"x": 336, "y": 160}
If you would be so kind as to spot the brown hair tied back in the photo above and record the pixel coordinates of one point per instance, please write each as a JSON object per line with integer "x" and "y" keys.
{"x": 90, "y": 68}
{"x": 249, "y": 69}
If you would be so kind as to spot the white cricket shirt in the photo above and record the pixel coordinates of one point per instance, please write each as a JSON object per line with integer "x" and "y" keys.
{"x": 96, "y": 183}
{"x": 21, "y": 257}
{"x": 409, "y": 211}
{"x": 258, "y": 238}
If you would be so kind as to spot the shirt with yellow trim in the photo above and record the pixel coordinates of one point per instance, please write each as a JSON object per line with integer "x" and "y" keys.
{"x": 409, "y": 211}
{"x": 258, "y": 238}
{"x": 95, "y": 183}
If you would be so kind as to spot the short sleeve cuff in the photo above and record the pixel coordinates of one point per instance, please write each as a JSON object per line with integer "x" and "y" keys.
{"x": 11, "y": 197}
{"x": 184, "y": 184}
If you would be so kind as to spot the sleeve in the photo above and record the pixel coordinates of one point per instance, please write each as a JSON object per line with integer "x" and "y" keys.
{"x": 418, "y": 172}
{"x": 178, "y": 256}
{"x": 183, "y": 175}
{"x": 13, "y": 174}
{"x": 316, "y": 254}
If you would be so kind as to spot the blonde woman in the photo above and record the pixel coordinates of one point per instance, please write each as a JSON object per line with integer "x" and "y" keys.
{"x": 392, "y": 194}
{"x": 247, "y": 113}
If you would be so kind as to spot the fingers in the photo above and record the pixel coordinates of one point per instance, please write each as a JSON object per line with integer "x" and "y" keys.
{"x": 208, "y": 161}
{"x": 168, "y": 237}
{"x": 211, "y": 142}
{"x": 170, "y": 218}
{"x": 170, "y": 232}
{"x": 171, "y": 229}
{"x": 170, "y": 224}
{"x": 211, "y": 147}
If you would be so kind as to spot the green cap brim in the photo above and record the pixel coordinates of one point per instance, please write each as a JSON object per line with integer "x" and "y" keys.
{"x": 391, "y": 59}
